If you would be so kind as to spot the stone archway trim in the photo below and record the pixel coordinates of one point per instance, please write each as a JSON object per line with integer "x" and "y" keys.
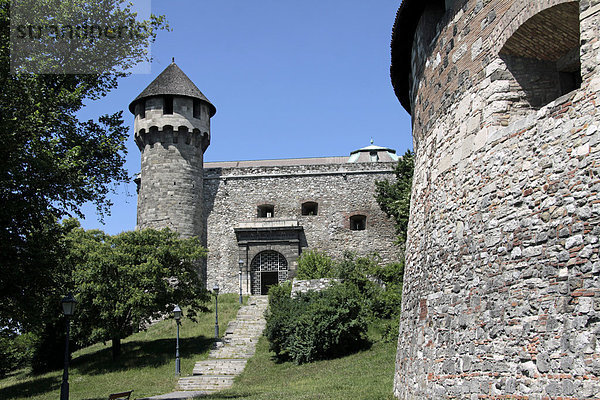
{"x": 517, "y": 15}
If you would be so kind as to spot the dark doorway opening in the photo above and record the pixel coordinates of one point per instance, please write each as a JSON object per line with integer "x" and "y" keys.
{"x": 267, "y": 279}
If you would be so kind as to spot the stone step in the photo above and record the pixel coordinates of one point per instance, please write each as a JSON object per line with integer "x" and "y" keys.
{"x": 206, "y": 382}
{"x": 228, "y": 358}
{"x": 181, "y": 395}
{"x": 240, "y": 341}
{"x": 245, "y": 332}
{"x": 233, "y": 353}
{"x": 220, "y": 367}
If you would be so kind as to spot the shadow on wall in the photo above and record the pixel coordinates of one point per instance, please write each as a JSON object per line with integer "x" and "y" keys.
{"x": 542, "y": 55}
{"x": 209, "y": 193}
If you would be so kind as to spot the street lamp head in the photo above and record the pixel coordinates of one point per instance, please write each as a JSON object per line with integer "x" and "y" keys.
{"x": 68, "y": 305}
{"x": 216, "y": 289}
{"x": 177, "y": 313}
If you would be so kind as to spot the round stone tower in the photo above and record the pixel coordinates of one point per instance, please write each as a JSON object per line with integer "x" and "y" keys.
{"x": 501, "y": 293}
{"x": 172, "y": 131}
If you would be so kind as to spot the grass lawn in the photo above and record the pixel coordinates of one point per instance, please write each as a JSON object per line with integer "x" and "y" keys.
{"x": 148, "y": 367}
{"x": 147, "y": 364}
{"x": 364, "y": 375}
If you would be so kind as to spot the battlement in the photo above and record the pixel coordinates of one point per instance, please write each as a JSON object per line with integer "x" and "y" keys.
{"x": 166, "y": 136}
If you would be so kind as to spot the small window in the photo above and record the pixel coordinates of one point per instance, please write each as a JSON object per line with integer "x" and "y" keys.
{"x": 374, "y": 156}
{"x": 266, "y": 211}
{"x": 168, "y": 106}
{"x": 310, "y": 208}
{"x": 358, "y": 222}
{"x": 142, "y": 111}
{"x": 196, "y": 113}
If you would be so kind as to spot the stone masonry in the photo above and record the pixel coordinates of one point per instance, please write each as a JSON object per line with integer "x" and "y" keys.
{"x": 501, "y": 295}
{"x": 255, "y": 217}
{"x": 341, "y": 189}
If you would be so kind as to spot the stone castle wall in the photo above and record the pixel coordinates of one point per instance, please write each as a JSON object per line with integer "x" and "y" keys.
{"x": 501, "y": 293}
{"x": 232, "y": 195}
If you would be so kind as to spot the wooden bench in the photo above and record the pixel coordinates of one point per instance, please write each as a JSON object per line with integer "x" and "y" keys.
{"x": 120, "y": 396}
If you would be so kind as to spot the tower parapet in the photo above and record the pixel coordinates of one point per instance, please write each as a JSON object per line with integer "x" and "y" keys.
{"x": 172, "y": 131}
{"x": 501, "y": 291}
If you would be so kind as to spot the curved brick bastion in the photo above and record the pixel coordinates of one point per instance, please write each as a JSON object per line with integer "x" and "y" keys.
{"x": 501, "y": 292}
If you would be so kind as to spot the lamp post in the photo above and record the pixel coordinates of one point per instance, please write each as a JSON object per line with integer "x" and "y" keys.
{"x": 241, "y": 262}
{"x": 68, "y": 305}
{"x": 177, "y": 316}
{"x": 216, "y": 292}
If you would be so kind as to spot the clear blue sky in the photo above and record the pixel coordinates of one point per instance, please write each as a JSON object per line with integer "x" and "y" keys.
{"x": 288, "y": 78}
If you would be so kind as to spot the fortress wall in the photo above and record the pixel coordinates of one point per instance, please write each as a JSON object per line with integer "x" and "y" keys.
{"x": 501, "y": 292}
{"x": 231, "y": 196}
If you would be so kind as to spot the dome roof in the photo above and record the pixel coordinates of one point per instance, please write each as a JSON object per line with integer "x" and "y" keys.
{"x": 172, "y": 81}
{"x": 373, "y": 153}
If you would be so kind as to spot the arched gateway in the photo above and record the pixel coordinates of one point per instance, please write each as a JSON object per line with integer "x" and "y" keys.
{"x": 268, "y": 268}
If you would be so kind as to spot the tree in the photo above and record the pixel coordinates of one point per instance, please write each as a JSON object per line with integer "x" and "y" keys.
{"x": 394, "y": 197}
{"x": 50, "y": 162}
{"x": 122, "y": 282}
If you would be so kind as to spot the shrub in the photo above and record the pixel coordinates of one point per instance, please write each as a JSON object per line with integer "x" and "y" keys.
{"x": 49, "y": 352}
{"x": 313, "y": 264}
{"x": 380, "y": 286}
{"x": 15, "y": 352}
{"x": 316, "y": 325}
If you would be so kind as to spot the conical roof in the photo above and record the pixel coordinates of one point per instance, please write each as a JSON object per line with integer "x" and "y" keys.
{"x": 172, "y": 81}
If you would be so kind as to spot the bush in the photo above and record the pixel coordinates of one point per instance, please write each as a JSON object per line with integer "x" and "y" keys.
{"x": 380, "y": 286}
{"x": 314, "y": 265}
{"x": 316, "y": 325}
{"x": 49, "y": 352}
{"x": 15, "y": 352}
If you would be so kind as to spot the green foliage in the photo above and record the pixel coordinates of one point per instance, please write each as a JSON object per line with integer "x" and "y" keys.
{"x": 124, "y": 281}
{"x": 92, "y": 37}
{"x": 313, "y": 264}
{"x": 16, "y": 351}
{"x": 146, "y": 365}
{"x": 316, "y": 325}
{"x": 394, "y": 197}
{"x": 49, "y": 347}
{"x": 51, "y": 163}
{"x": 380, "y": 286}
{"x": 333, "y": 322}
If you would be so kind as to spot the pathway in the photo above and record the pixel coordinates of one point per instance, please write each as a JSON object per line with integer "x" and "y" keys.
{"x": 228, "y": 359}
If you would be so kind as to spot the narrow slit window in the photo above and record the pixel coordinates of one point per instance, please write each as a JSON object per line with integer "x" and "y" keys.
{"x": 358, "y": 222}
{"x": 310, "y": 208}
{"x": 265, "y": 211}
{"x": 142, "y": 106}
{"x": 168, "y": 106}
{"x": 196, "y": 113}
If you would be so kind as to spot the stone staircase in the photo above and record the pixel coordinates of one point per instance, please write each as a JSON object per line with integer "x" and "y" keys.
{"x": 228, "y": 359}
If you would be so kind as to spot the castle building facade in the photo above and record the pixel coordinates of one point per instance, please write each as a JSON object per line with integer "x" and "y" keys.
{"x": 501, "y": 296}
{"x": 254, "y": 217}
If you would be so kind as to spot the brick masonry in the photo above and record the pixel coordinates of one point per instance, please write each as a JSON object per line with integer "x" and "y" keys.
{"x": 501, "y": 295}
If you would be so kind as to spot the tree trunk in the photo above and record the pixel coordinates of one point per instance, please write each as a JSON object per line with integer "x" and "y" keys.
{"x": 116, "y": 348}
